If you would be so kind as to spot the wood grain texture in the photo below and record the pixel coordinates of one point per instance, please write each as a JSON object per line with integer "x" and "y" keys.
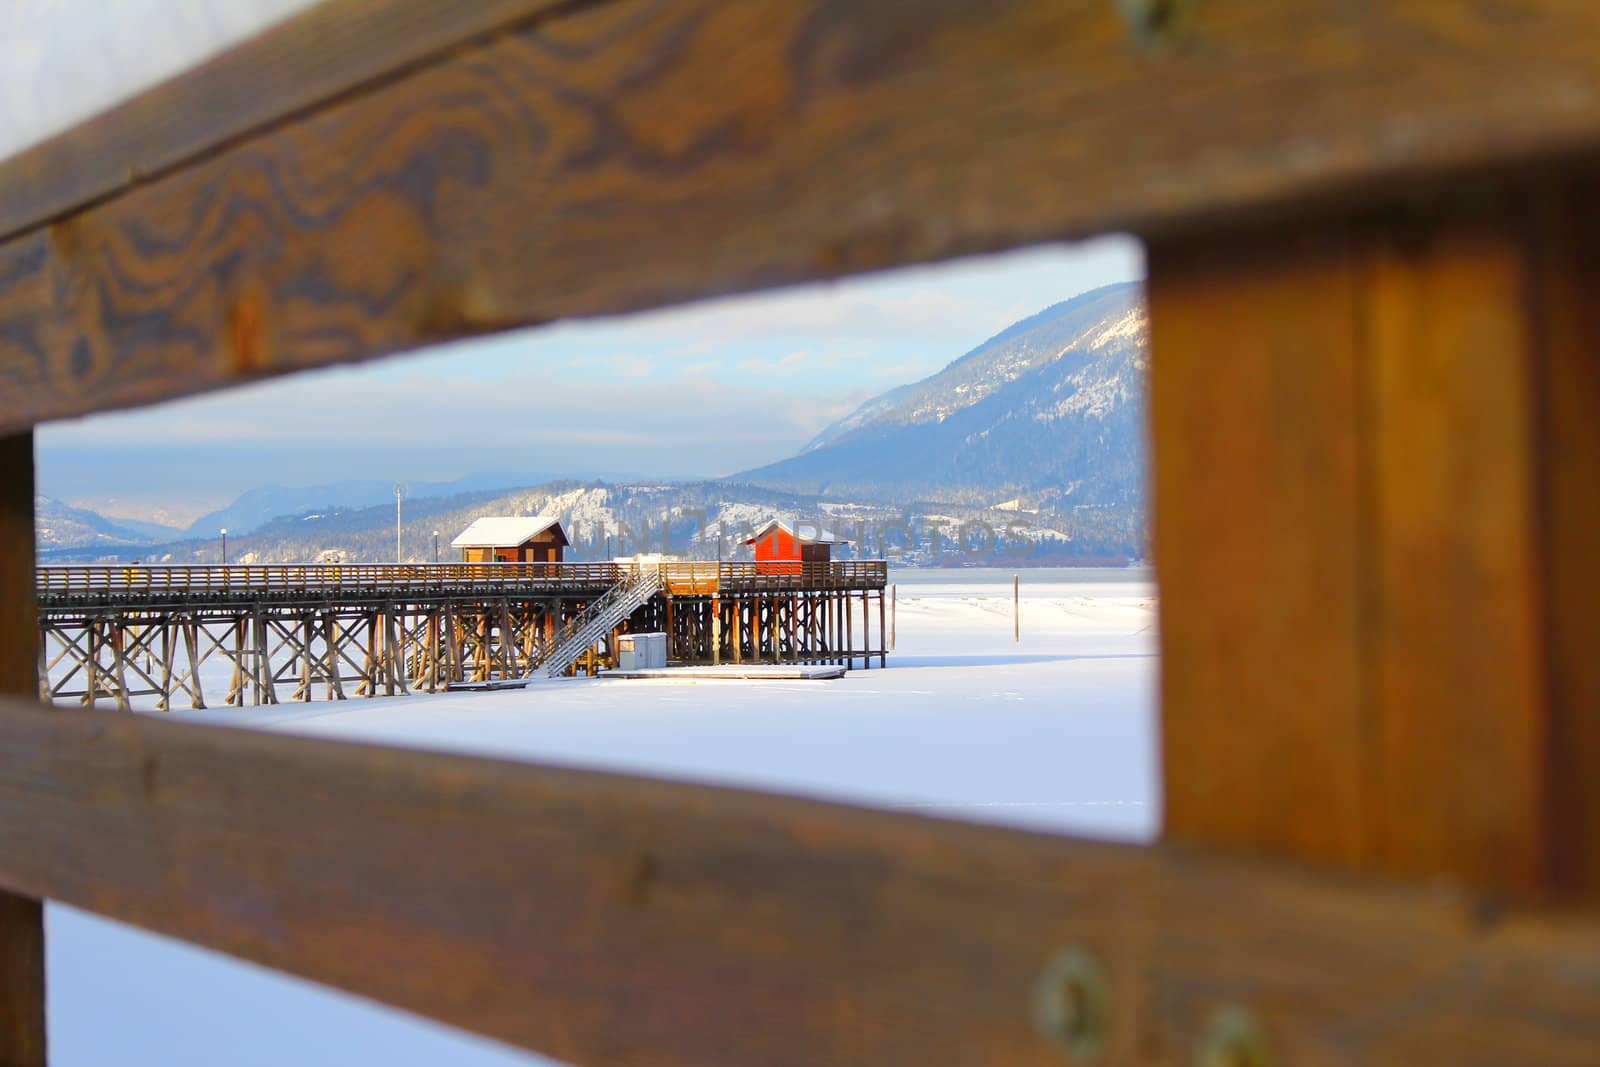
{"x": 22, "y": 1019}
{"x": 19, "y": 620}
{"x": 608, "y": 919}
{"x": 640, "y": 152}
{"x": 1375, "y": 532}
{"x": 1457, "y": 641}
{"x": 1567, "y": 419}
{"x": 309, "y": 59}
{"x": 1255, "y": 409}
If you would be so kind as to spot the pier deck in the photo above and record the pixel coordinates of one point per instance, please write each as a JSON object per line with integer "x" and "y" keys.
{"x": 123, "y": 585}
{"x": 122, "y": 631}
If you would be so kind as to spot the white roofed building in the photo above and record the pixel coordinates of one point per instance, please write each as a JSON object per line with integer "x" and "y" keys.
{"x": 512, "y": 539}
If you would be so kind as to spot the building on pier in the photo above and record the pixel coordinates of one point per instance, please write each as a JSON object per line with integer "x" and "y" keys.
{"x": 512, "y": 539}
{"x": 781, "y": 548}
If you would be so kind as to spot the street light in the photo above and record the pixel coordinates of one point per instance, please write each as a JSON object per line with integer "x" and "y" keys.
{"x": 224, "y": 546}
{"x": 436, "y": 546}
{"x": 399, "y": 491}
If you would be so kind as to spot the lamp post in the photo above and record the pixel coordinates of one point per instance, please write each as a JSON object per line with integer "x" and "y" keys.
{"x": 224, "y": 546}
{"x": 436, "y": 546}
{"x": 399, "y": 491}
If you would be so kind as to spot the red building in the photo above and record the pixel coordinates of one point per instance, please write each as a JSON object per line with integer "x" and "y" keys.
{"x": 781, "y": 549}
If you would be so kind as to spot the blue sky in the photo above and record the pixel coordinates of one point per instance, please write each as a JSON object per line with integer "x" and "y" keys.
{"x": 697, "y": 391}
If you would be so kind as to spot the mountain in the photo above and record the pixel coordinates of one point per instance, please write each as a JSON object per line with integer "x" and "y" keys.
{"x": 701, "y": 520}
{"x": 1049, "y": 411}
{"x": 58, "y": 525}
{"x": 259, "y": 506}
{"x": 1026, "y": 450}
{"x": 149, "y": 531}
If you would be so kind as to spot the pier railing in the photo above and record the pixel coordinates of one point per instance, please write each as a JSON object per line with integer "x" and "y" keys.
{"x": 678, "y": 577}
{"x": 241, "y": 578}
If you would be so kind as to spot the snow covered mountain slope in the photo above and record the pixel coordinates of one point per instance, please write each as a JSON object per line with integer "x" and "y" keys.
{"x": 1052, "y": 408}
{"x": 58, "y": 525}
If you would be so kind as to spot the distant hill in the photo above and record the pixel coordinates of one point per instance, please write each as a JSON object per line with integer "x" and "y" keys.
{"x": 150, "y": 531}
{"x": 1050, "y": 410}
{"x": 57, "y": 525}
{"x": 259, "y": 506}
{"x": 606, "y": 519}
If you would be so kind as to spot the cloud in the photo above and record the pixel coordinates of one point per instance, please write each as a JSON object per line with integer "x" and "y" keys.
{"x": 628, "y": 366}
{"x": 904, "y": 372}
{"x": 62, "y": 62}
{"x": 830, "y": 310}
{"x": 702, "y": 425}
{"x": 798, "y": 362}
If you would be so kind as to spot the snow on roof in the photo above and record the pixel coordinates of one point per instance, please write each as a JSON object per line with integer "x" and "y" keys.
{"x": 503, "y": 531}
{"x": 808, "y": 535}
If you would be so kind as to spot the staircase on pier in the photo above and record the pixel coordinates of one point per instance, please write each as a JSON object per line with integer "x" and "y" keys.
{"x": 595, "y": 622}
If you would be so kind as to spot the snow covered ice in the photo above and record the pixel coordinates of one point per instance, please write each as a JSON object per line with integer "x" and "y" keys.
{"x": 1055, "y": 732}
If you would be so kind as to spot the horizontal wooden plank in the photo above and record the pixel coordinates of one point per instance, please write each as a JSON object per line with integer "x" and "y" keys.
{"x": 634, "y": 153}
{"x": 310, "y": 58}
{"x": 610, "y": 919}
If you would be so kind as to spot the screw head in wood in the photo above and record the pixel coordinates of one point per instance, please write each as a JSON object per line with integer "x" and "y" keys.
{"x": 1154, "y": 23}
{"x": 1233, "y": 1038}
{"x": 1069, "y": 1004}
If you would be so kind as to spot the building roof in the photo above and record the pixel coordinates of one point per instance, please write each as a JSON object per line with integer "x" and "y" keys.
{"x": 816, "y": 536}
{"x": 504, "y": 531}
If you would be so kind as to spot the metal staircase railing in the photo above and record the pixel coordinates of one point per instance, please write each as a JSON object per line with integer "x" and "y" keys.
{"x": 594, "y": 622}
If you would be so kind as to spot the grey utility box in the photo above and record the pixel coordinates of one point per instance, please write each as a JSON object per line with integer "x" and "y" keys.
{"x": 629, "y": 648}
{"x": 639, "y": 652}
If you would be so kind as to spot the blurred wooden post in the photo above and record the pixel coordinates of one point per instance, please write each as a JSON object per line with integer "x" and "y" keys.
{"x": 22, "y": 1033}
{"x": 883, "y": 649}
{"x": 1375, "y": 461}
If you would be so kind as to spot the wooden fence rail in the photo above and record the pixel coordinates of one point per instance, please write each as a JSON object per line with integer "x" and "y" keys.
{"x": 531, "y": 903}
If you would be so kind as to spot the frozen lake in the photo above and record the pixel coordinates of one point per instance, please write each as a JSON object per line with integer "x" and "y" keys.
{"x": 1053, "y": 732}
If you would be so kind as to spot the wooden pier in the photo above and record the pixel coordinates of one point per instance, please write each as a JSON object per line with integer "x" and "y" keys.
{"x": 295, "y": 632}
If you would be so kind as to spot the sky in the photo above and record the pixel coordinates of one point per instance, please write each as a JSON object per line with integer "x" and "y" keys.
{"x": 63, "y": 60}
{"x": 700, "y": 390}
